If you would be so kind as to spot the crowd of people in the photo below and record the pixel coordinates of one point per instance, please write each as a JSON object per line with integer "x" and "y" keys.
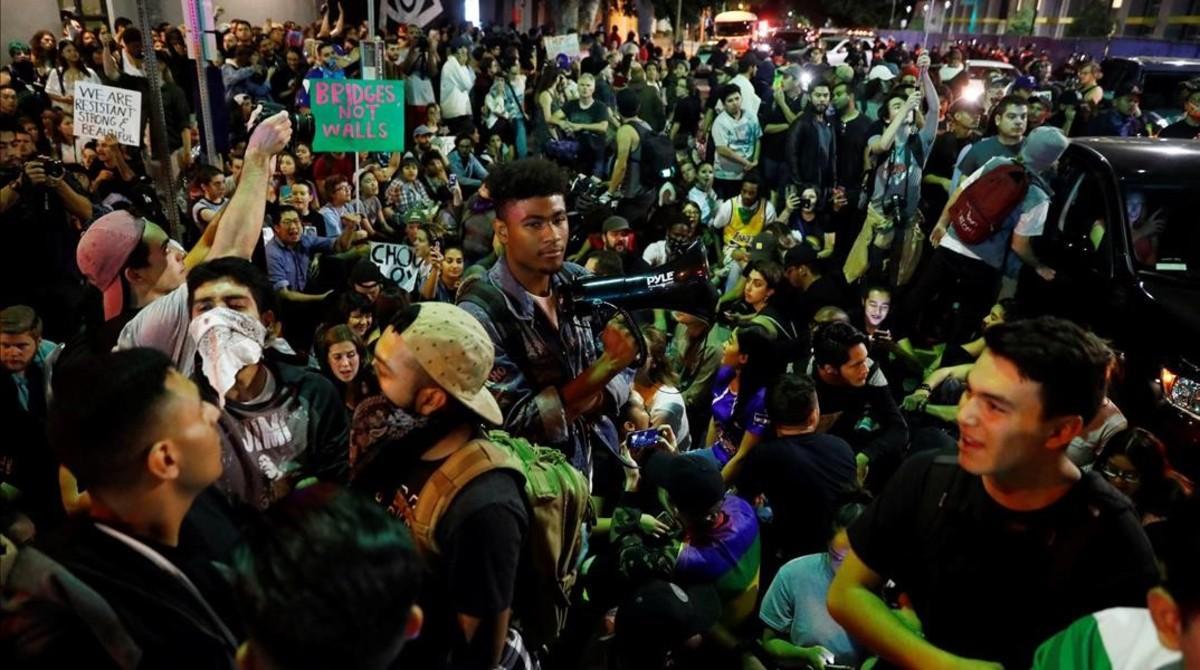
{"x": 238, "y": 442}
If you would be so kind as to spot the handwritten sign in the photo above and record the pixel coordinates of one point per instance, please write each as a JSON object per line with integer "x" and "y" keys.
{"x": 562, "y": 44}
{"x": 102, "y": 110}
{"x": 354, "y": 115}
{"x": 396, "y": 262}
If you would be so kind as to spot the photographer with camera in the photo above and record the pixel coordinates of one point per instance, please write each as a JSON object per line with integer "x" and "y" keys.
{"x": 38, "y": 199}
{"x": 559, "y": 376}
{"x": 899, "y": 153}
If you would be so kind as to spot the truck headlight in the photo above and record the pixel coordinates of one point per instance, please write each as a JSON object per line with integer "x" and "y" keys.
{"x": 1181, "y": 391}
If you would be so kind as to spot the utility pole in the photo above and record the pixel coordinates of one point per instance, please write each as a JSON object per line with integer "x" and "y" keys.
{"x": 159, "y": 147}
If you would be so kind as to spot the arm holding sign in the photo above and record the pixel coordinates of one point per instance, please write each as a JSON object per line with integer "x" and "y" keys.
{"x": 243, "y": 216}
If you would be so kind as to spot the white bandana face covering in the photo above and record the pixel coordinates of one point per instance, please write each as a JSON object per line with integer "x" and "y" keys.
{"x": 227, "y": 341}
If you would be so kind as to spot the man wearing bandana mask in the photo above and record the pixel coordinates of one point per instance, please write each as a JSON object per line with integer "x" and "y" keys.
{"x": 796, "y": 624}
{"x": 432, "y": 363}
{"x": 291, "y": 421}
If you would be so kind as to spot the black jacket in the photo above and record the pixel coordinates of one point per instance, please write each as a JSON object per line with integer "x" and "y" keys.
{"x": 811, "y": 161}
{"x": 86, "y": 599}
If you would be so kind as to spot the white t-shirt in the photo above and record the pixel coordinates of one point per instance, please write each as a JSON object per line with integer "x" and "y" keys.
{"x": 61, "y": 84}
{"x": 666, "y": 408}
{"x": 457, "y": 80}
{"x": 163, "y": 325}
{"x": 741, "y": 135}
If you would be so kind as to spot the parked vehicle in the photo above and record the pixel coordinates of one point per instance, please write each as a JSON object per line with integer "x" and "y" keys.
{"x": 1160, "y": 79}
{"x": 738, "y": 29}
{"x": 1122, "y": 233}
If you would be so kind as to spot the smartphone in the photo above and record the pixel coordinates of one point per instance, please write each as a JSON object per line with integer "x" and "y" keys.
{"x": 453, "y": 179}
{"x": 640, "y": 439}
{"x": 285, "y": 192}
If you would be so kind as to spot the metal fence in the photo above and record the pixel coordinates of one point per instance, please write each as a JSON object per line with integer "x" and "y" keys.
{"x": 1061, "y": 48}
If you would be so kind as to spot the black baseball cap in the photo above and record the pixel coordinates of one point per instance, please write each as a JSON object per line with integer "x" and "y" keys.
{"x": 801, "y": 254}
{"x": 1128, "y": 89}
{"x": 693, "y": 482}
{"x": 661, "y": 616}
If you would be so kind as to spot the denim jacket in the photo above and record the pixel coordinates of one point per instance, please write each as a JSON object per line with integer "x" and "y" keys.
{"x": 526, "y": 382}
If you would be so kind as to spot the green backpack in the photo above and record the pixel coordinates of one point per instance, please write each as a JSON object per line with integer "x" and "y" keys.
{"x": 559, "y": 503}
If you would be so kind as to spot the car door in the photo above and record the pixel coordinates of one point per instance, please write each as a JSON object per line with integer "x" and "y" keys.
{"x": 1079, "y": 242}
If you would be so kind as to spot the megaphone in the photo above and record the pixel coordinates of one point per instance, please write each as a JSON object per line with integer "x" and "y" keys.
{"x": 682, "y": 285}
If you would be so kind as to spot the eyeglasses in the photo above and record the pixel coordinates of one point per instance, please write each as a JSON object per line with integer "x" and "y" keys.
{"x": 1129, "y": 476}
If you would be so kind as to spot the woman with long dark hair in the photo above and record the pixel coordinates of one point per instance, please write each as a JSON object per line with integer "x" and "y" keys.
{"x": 1135, "y": 462}
{"x": 346, "y": 362}
{"x": 739, "y": 420}
{"x": 60, "y": 84}
{"x": 43, "y": 53}
{"x": 546, "y": 101}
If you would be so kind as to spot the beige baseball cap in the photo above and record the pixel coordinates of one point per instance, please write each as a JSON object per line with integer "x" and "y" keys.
{"x": 455, "y": 351}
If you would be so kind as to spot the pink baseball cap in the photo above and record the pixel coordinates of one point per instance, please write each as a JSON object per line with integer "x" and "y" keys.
{"x": 103, "y": 250}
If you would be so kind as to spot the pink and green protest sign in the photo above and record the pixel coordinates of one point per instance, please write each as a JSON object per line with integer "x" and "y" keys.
{"x": 353, "y": 115}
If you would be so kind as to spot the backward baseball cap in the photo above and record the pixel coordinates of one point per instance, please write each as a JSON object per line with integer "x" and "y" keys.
{"x": 452, "y": 347}
{"x": 104, "y": 250}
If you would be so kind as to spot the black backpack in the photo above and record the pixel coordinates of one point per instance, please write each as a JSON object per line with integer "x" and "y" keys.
{"x": 657, "y": 157}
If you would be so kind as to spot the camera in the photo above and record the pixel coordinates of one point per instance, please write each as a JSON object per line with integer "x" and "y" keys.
{"x": 893, "y": 208}
{"x": 54, "y": 169}
{"x": 303, "y": 126}
{"x": 808, "y": 203}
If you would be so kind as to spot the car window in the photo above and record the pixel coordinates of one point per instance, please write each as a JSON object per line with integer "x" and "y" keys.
{"x": 1161, "y": 93}
{"x": 1164, "y": 229}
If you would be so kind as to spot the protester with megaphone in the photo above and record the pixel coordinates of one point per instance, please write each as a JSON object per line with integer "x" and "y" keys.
{"x": 558, "y": 375}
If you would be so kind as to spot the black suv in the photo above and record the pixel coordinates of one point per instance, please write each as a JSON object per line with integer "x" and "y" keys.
{"x": 1159, "y": 78}
{"x": 1123, "y": 232}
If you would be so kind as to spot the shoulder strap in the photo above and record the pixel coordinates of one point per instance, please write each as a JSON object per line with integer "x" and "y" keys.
{"x": 940, "y": 492}
{"x": 472, "y": 460}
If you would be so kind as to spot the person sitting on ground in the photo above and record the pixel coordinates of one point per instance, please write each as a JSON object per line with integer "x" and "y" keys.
{"x": 362, "y": 575}
{"x": 796, "y": 623}
{"x": 720, "y": 545}
{"x": 856, "y": 403}
{"x": 804, "y": 474}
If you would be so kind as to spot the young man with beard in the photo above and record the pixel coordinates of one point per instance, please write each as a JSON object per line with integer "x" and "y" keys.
{"x": 1011, "y": 116}
{"x": 127, "y": 584}
{"x": 1006, "y": 542}
{"x": 617, "y": 232}
{"x": 812, "y": 147}
{"x": 291, "y": 420}
{"x": 432, "y": 363}
{"x": 558, "y": 375}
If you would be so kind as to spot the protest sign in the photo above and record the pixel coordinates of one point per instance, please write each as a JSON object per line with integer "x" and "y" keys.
{"x": 397, "y": 262}
{"x": 353, "y": 115}
{"x": 562, "y": 44}
{"x": 106, "y": 110}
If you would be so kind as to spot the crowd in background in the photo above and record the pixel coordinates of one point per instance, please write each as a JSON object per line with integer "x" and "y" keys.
{"x": 768, "y": 484}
